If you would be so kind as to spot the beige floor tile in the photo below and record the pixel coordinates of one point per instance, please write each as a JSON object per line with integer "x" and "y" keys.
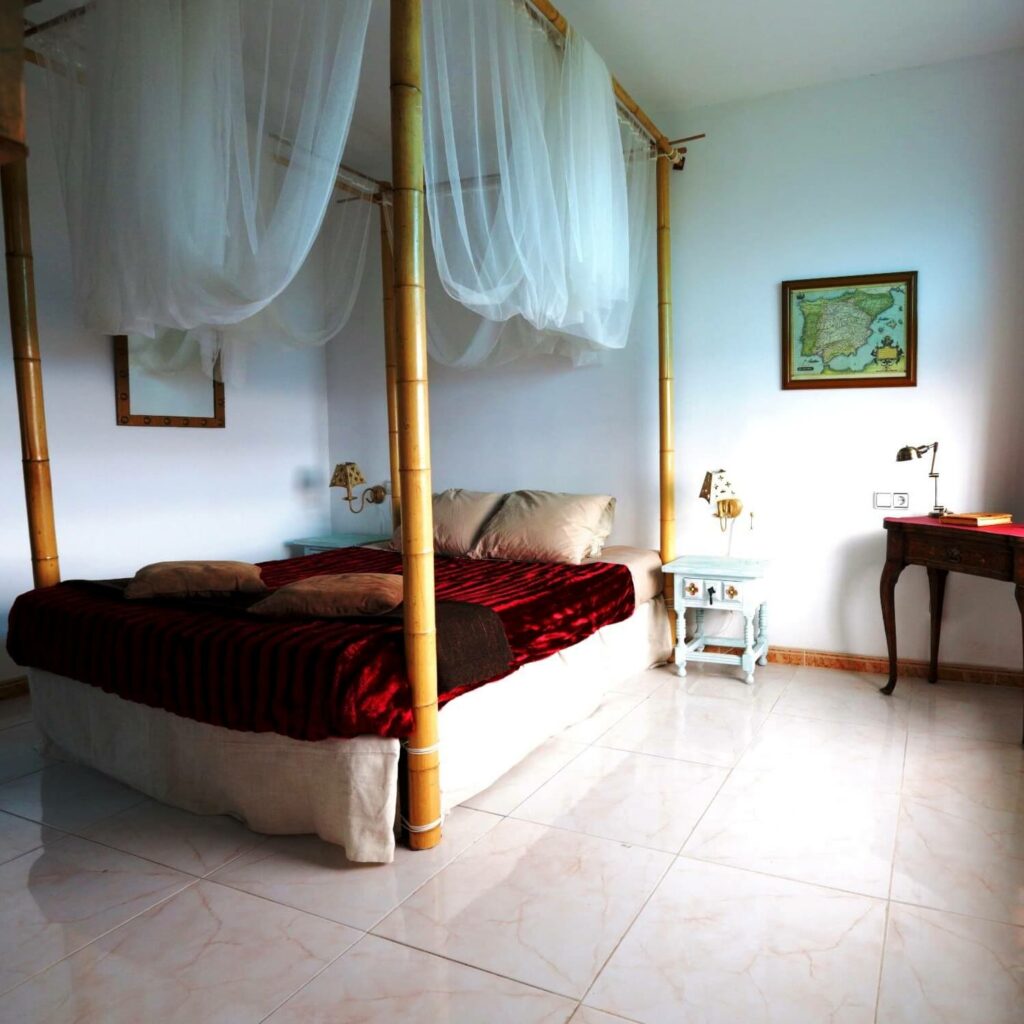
{"x": 645, "y": 683}
{"x": 981, "y": 716}
{"x": 868, "y": 755}
{"x": 966, "y": 859}
{"x": 801, "y": 827}
{"x": 68, "y": 892}
{"x": 196, "y": 843}
{"x": 720, "y": 946}
{"x": 539, "y": 905}
{"x": 700, "y": 729}
{"x": 208, "y": 955}
{"x": 613, "y": 709}
{"x": 66, "y": 796}
{"x": 945, "y": 969}
{"x": 633, "y": 798}
{"x": 15, "y": 710}
{"x": 19, "y": 751}
{"x": 18, "y": 836}
{"x": 947, "y": 770}
{"x": 845, "y": 697}
{"x": 588, "y": 1015}
{"x": 306, "y": 873}
{"x": 505, "y": 795}
{"x": 380, "y": 982}
{"x": 770, "y": 682}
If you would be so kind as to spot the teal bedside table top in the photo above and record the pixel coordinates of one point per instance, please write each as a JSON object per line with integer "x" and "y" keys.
{"x": 330, "y": 541}
{"x": 716, "y": 565}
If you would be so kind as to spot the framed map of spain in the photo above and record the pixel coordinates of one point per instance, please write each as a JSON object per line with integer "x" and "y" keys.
{"x": 850, "y": 332}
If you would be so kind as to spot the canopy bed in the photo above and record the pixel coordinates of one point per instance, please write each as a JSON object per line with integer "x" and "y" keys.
{"x": 619, "y": 640}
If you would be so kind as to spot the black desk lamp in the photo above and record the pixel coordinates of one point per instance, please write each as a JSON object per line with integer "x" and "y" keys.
{"x": 910, "y": 452}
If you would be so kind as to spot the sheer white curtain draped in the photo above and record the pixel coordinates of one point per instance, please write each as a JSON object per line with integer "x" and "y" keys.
{"x": 528, "y": 196}
{"x": 458, "y": 337}
{"x": 199, "y": 144}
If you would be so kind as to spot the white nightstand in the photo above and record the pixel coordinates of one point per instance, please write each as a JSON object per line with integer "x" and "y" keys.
{"x": 331, "y": 541}
{"x": 704, "y": 582}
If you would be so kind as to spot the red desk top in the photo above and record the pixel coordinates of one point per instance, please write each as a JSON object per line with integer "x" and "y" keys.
{"x": 1009, "y": 530}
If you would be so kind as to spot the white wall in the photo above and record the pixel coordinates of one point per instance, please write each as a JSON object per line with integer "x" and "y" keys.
{"x": 125, "y": 496}
{"x": 914, "y": 170}
{"x": 918, "y": 170}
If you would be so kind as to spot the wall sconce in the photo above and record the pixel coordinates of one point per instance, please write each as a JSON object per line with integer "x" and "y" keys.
{"x": 349, "y": 475}
{"x": 910, "y": 452}
{"x": 718, "y": 488}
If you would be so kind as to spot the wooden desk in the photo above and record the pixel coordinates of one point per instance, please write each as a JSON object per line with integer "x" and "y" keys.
{"x": 993, "y": 551}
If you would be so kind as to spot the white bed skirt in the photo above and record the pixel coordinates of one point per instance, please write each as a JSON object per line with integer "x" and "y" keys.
{"x": 344, "y": 790}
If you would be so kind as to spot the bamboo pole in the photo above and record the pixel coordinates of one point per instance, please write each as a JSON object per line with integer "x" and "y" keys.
{"x": 666, "y": 429}
{"x": 387, "y": 275}
{"x": 28, "y": 375}
{"x": 675, "y": 156}
{"x": 424, "y": 803}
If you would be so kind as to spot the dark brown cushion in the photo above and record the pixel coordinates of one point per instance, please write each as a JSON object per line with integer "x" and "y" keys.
{"x": 330, "y": 597}
{"x": 195, "y": 579}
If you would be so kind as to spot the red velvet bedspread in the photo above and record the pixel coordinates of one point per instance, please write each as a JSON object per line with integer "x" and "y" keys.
{"x": 309, "y": 679}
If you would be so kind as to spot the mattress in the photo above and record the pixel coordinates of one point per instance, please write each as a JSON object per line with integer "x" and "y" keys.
{"x": 344, "y": 790}
{"x": 309, "y": 679}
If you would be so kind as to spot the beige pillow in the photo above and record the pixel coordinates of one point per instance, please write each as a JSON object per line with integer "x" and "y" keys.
{"x": 330, "y": 597}
{"x": 545, "y": 526}
{"x": 459, "y": 516}
{"x": 195, "y": 579}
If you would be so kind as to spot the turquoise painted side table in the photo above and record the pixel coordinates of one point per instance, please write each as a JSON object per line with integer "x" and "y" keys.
{"x": 705, "y": 582}
{"x": 331, "y": 541}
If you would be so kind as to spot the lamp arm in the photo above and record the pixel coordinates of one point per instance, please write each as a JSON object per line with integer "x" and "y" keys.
{"x": 935, "y": 452}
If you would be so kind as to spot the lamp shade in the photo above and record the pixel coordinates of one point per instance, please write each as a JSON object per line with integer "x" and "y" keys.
{"x": 347, "y": 474}
{"x": 905, "y": 454}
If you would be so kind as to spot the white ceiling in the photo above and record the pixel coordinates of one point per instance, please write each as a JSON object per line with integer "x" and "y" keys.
{"x": 673, "y": 55}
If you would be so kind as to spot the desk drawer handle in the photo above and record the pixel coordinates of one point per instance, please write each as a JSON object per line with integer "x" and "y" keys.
{"x": 731, "y": 592}
{"x": 953, "y": 554}
{"x": 692, "y": 589}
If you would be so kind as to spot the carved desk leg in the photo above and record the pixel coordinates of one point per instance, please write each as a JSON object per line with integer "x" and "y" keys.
{"x": 936, "y": 597}
{"x": 887, "y": 592}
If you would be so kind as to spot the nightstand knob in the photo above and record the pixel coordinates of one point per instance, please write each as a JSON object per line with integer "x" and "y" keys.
{"x": 731, "y": 592}
{"x": 692, "y": 589}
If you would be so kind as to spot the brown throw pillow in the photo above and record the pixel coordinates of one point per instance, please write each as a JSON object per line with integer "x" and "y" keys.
{"x": 195, "y": 579}
{"x": 331, "y": 597}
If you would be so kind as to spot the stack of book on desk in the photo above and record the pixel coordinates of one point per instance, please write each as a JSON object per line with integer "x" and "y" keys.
{"x": 978, "y": 519}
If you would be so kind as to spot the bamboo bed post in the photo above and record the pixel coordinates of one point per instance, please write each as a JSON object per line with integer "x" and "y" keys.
{"x": 387, "y": 275}
{"x": 666, "y": 430}
{"x": 424, "y": 803}
{"x": 21, "y": 299}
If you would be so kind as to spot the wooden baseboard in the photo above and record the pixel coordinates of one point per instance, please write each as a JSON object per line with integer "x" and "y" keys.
{"x": 13, "y": 687}
{"x": 908, "y": 667}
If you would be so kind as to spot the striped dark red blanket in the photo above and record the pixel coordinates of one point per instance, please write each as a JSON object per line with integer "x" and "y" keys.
{"x": 309, "y": 679}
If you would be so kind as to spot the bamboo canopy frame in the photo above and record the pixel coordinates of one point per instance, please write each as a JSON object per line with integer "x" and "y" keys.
{"x": 404, "y": 315}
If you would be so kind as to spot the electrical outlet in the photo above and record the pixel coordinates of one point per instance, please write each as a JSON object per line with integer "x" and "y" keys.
{"x": 900, "y": 499}
{"x": 883, "y": 499}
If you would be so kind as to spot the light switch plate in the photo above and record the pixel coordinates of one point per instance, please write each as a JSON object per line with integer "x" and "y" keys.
{"x": 883, "y": 499}
{"x": 900, "y": 499}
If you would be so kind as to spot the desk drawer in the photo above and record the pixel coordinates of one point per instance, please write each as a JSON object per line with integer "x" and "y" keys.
{"x": 962, "y": 554}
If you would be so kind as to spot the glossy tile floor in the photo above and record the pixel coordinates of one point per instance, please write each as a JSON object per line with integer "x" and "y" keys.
{"x": 803, "y": 850}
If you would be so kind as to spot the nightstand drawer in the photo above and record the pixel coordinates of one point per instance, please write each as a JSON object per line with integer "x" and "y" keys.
{"x": 693, "y": 589}
{"x": 729, "y": 592}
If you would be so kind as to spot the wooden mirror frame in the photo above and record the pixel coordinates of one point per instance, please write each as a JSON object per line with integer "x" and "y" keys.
{"x": 122, "y": 393}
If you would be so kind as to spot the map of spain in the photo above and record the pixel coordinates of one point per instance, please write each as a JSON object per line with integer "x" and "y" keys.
{"x": 849, "y": 331}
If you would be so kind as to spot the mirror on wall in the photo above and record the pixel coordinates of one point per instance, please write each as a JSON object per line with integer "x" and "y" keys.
{"x": 161, "y": 383}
